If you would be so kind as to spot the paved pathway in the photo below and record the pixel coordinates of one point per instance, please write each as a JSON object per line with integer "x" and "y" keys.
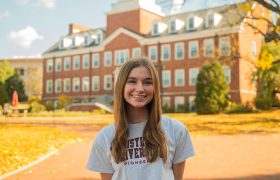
{"x": 218, "y": 157}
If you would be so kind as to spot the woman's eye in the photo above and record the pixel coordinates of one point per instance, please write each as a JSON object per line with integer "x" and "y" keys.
{"x": 131, "y": 81}
{"x": 148, "y": 82}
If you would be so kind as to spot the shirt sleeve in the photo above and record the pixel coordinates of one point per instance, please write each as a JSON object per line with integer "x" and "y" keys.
{"x": 99, "y": 158}
{"x": 184, "y": 148}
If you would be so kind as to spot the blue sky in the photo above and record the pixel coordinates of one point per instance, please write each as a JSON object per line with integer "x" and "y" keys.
{"x": 29, "y": 27}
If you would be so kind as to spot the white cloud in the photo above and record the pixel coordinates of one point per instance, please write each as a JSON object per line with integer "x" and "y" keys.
{"x": 47, "y": 3}
{"x": 4, "y": 14}
{"x": 25, "y": 37}
{"x": 44, "y": 3}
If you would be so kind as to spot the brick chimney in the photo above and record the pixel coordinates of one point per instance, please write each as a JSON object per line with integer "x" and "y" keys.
{"x": 75, "y": 28}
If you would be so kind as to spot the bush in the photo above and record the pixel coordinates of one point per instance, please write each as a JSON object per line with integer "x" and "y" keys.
{"x": 49, "y": 106}
{"x": 240, "y": 108}
{"x": 36, "y": 107}
{"x": 211, "y": 89}
{"x": 264, "y": 103}
{"x": 63, "y": 101}
{"x": 167, "y": 109}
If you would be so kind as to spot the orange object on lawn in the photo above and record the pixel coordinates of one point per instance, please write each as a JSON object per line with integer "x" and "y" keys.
{"x": 15, "y": 99}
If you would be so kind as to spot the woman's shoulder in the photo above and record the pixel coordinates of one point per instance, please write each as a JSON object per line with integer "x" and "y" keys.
{"x": 106, "y": 133}
{"x": 172, "y": 123}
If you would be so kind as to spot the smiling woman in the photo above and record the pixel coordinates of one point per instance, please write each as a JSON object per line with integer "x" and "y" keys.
{"x": 141, "y": 144}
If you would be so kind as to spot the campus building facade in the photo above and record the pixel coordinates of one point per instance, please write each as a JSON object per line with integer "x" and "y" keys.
{"x": 84, "y": 63}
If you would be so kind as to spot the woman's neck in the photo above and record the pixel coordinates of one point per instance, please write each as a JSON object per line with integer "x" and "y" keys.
{"x": 137, "y": 115}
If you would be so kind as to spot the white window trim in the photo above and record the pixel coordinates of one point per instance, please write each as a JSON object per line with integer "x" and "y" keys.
{"x": 111, "y": 58}
{"x": 162, "y": 52}
{"x": 58, "y": 61}
{"x": 50, "y": 63}
{"x": 98, "y": 79}
{"x": 93, "y": 59}
{"x": 64, "y": 85}
{"x": 176, "y": 77}
{"x": 191, "y": 44}
{"x": 64, "y": 63}
{"x": 168, "y": 72}
{"x": 83, "y": 61}
{"x": 183, "y": 51}
{"x": 47, "y": 86}
{"x": 191, "y": 102}
{"x": 190, "y": 75}
{"x": 205, "y": 43}
{"x": 84, "y": 79}
{"x": 221, "y": 39}
{"x": 74, "y": 58}
{"x": 58, "y": 82}
{"x": 149, "y": 53}
{"x": 135, "y": 52}
{"x": 177, "y": 100}
{"x": 229, "y": 73}
{"x": 166, "y": 99}
{"x": 118, "y": 52}
{"x": 73, "y": 84}
{"x": 111, "y": 82}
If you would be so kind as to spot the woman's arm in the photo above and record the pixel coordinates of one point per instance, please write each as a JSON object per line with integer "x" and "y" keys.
{"x": 178, "y": 170}
{"x": 106, "y": 176}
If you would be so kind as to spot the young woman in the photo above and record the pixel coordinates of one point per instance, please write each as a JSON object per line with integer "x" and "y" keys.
{"x": 141, "y": 144}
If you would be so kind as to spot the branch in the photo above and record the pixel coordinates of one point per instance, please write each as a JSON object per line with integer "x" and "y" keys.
{"x": 274, "y": 8}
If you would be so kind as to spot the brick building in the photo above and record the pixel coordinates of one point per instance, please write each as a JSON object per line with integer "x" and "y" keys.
{"x": 84, "y": 63}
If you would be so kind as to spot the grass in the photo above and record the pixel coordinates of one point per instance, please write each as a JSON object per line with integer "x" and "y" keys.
{"x": 231, "y": 124}
{"x": 21, "y": 144}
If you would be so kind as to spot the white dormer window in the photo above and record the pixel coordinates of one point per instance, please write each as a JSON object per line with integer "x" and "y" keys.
{"x": 64, "y": 43}
{"x": 193, "y": 22}
{"x": 99, "y": 36}
{"x": 158, "y": 28}
{"x": 175, "y": 25}
{"x": 77, "y": 40}
{"x": 213, "y": 19}
{"x": 87, "y": 40}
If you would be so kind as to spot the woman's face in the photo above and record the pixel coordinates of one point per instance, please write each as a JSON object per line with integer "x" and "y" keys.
{"x": 139, "y": 87}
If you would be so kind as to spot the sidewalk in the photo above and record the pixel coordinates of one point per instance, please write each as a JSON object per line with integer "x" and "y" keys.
{"x": 217, "y": 157}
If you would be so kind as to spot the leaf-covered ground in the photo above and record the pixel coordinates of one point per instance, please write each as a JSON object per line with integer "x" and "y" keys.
{"x": 22, "y": 144}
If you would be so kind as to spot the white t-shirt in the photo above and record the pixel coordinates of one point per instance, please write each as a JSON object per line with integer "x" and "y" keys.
{"x": 136, "y": 166}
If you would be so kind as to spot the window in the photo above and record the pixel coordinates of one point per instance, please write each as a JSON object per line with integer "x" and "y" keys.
{"x": 85, "y": 61}
{"x": 95, "y": 60}
{"x": 179, "y": 103}
{"x": 166, "y": 78}
{"x": 166, "y": 101}
{"x": 67, "y": 64}
{"x": 227, "y": 72}
{"x": 66, "y": 85}
{"x": 190, "y": 23}
{"x": 191, "y": 103}
{"x": 155, "y": 30}
{"x": 208, "y": 47}
{"x": 121, "y": 56}
{"x": 179, "y": 51}
{"x": 58, "y": 87}
{"x": 76, "y": 64}
{"x": 76, "y": 84}
{"x": 209, "y": 20}
{"x": 179, "y": 77}
{"x": 172, "y": 26}
{"x": 153, "y": 53}
{"x": 193, "y": 72}
{"x": 107, "y": 58}
{"x": 165, "y": 52}
{"x": 49, "y": 65}
{"x": 108, "y": 82}
{"x": 49, "y": 86}
{"x": 85, "y": 84}
{"x": 193, "y": 49}
{"x": 136, "y": 52}
{"x": 254, "y": 49}
{"x": 58, "y": 64}
{"x": 224, "y": 43}
{"x": 95, "y": 83}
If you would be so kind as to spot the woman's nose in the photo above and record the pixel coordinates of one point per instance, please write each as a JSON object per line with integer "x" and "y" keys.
{"x": 139, "y": 87}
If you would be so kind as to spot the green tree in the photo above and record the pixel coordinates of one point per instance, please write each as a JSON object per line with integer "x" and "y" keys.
{"x": 14, "y": 83}
{"x": 211, "y": 89}
{"x": 3, "y": 94}
{"x": 267, "y": 75}
{"x": 6, "y": 71}
{"x": 63, "y": 101}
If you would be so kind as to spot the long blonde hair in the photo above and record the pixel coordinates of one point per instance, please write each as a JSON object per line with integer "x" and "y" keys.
{"x": 154, "y": 137}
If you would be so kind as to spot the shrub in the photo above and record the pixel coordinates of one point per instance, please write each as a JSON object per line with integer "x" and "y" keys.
{"x": 211, "y": 89}
{"x": 264, "y": 102}
{"x": 167, "y": 109}
{"x": 49, "y": 106}
{"x": 36, "y": 107}
{"x": 240, "y": 108}
{"x": 63, "y": 101}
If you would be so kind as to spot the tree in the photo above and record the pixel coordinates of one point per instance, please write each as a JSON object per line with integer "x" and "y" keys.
{"x": 6, "y": 71}
{"x": 269, "y": 15}
{"x": 14, "y": 83}
{"x": 267, "y": 75}
{"x": 3, "y": 94}
{"x": 211, "y": 89}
